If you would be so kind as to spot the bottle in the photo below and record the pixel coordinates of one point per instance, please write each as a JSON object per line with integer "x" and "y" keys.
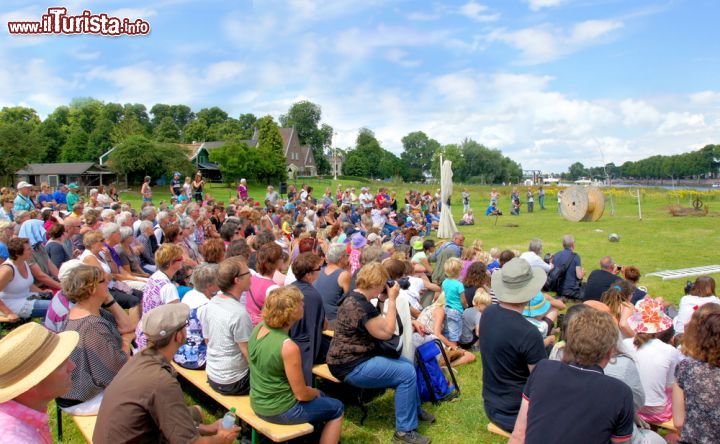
{"x": 228, "y": 420}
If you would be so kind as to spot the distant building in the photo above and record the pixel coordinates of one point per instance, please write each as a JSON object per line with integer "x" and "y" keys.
{"x": 336, "y": 162}
{"x": 85, "y": 174}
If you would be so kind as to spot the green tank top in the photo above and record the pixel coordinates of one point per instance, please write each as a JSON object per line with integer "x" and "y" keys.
{"x": 270, "y": 392}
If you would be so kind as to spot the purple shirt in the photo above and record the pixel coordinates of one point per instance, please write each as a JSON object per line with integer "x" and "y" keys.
{"x": 242, "y": 191}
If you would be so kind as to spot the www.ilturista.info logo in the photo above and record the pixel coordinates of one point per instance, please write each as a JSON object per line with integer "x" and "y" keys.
{"x": 56, "y": 21}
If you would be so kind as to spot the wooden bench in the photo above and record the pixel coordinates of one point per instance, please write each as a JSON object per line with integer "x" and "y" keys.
{"x": 329, "y": 333}
{"x": 86, "y": 424}
{"x": 322, "y": 371}
{"x": 492, "y": 428}
{"x": 668, "y": 425}
{"x": 276, "y": 432}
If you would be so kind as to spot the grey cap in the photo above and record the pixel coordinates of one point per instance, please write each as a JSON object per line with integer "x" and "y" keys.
{"x": 165, "y": 320}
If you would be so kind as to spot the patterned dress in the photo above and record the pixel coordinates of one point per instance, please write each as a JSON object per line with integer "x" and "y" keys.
{"x": 152, "y": 298}
{"x": 700, "y": 382}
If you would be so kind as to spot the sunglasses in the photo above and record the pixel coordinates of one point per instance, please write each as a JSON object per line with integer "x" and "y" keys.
{"x": 242, "y": 274}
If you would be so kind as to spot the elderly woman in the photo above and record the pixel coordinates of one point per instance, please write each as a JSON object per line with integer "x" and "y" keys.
{"x": 354, "y": 356}
{"x": 112, "y": 236}
{"x": 278, "y": 393}
{"x": 16, "y": 284}
{"x": 333, "y": 281}
{"x": 187, "y": 234}
{"x": 148, "y": 241}
{"x": 34, "y": 231}
{"x": 102, "y": 350}
{"x": 123, "y": 294}
{"x": 7, "y": 229}
{"x": 159, "y": 289}
{"x": 307, "y": 332}
{"x": 268, "y": 258}
{"x": 175, "y": 235}
{"x": 129, "y": 260}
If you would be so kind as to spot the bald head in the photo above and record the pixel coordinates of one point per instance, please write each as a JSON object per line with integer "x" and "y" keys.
{"x": 607, "y": 263}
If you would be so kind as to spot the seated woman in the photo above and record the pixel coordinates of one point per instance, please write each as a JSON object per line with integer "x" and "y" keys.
{"x": 695, "y": 403}
{"x": 307, "y": 332}
{"x": 268, "y": 258}
{"x": 129, "y": 261}
{"x": 617, "y": 297}
{"x": 656, "y": 359}
{"x": 159, "y": 289}
{"x": 112, "y": 236}
{"x": 55, "y": 249}
{"x": 102, "y": 350}
{"x": 278, "y": 391}
{"x": 147, "y": 240}
{"x": 468, "y": 218}
{"x": 16, "y": 284}
{"x": 354, "y": 355}
{"x": 702, "y": 292}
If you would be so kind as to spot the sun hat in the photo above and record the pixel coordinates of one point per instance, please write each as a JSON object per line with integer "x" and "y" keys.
{"x": 358, "y": 241}
{"x": 73, "y": 186}
{"x": 537, "y": 306}
{"x": 418, "y": 244}
{"x": 649, "y": 317}
{"x": 29, "y": 354}
{"x": 517, "y": 282}
{"x": 22, "y": 184}
{"x": 164, "y": 320}
{"x": 372, "y": 237}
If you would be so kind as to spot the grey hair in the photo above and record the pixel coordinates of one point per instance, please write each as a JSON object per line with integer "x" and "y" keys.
{"x": 123, "y": 217}
{"x": 186, "y": 223}
{"x": 535, "y": 246}
{"x": 191, "y": 207}
{"x": 109, "y": 228}
{"x": 125, "y": 232}
{"x": 568, "y": 241}
{"x": 147, "y": 212}
{"x": 107, "y": 213}
{"x": 203, "y": 276}
{"x": 93, "y": 191}
{"x": 144, "y": 225}
{"x": 161, "y": 216}
{"x": 335, "y": 252}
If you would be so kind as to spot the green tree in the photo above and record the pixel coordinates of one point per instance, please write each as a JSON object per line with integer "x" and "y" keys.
{"x": 453, "y": 153}
{"x": 418, "y": 152}
{"x": 128, "y": 126}
{"x": 212, "y": 115}
{"x": 247, "y": 125}
{"x": 76, "y": 143}
{"x": 576, "y": 171}
{"x": 19, "y": 114}
{"x": 305, "y": 116}
{"x": 237, "y": 161}
{"x": 53, "y": 138}
{"x": 18, "y": 147}
{"x": 270, "y": 151}
{"x": 112, "y": 112}
{"x": 137, "y": 156}
{"x": 195, "y": 131}
{"x": 100, "y": 140}
{"x": 166, "y": 130}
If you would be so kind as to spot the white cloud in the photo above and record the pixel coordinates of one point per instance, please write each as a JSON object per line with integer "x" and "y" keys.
{"x": 223, "y": 71}
{"x": 478, "y": 12}
{"x": 706, "y": 98}
{"x": 544, "y": 43}
{"x": 536, "y": 5}
{"x": 677, "y": 124}
{"x": 638, "y": 112}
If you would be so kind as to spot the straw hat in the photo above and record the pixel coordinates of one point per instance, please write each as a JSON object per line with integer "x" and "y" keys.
{"x": 28, "y": 355}
{"x": 517, "y": 282}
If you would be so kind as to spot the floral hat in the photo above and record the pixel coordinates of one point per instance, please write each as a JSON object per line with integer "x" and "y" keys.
{"x": 649, "y": 318}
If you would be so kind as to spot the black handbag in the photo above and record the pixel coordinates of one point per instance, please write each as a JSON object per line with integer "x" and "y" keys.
{"x": 391, "y": 348}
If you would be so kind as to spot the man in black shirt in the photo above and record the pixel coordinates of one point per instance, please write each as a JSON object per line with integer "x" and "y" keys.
{"x": 600, "y": 280}
{"x": 510, "y": 346}
{"x": 575, "y": 401}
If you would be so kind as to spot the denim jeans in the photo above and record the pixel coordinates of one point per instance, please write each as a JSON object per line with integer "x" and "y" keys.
{"x": 319, "y": 410}
{"x": 381, "y": 372}
{"x": 453, "y": 324}
{"x": 40, "y": 308}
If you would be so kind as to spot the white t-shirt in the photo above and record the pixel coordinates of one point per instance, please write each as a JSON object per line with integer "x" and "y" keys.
{"x": 289, "y": 277}
{"x": 225, "y": 323}
{"x": 687, "y": 308}
{"x": 194, "y": 299}
{"x": 414, "y": 293}
{"x": 656, "y": 362}
{"x": 366, "y": 197}
{"x": 535, "y": 261}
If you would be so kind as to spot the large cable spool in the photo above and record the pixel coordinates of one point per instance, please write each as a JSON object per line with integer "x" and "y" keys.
{"x": 582, "y": 204}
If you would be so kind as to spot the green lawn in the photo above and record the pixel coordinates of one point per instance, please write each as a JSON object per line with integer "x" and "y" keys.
{"x": 658, "y": 242}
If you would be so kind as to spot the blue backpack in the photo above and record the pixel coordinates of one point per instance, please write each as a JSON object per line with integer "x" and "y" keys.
{"x": 432, "y": 384}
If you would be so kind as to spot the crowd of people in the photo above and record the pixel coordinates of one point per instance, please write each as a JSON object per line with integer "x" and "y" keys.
{"x": 249, "y": 289}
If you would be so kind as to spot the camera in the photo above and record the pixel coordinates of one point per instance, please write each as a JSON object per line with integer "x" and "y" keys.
{"x": 403, "y": 282}
{"x": 688, "y": 287}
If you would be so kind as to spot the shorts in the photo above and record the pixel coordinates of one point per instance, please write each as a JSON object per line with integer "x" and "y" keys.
{"x": 239, "y": 387}
{"x": 319, "y": 410}
{"x": 453, "y": 324}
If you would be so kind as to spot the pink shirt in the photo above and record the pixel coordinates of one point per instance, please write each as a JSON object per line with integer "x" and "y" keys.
{"x": 21, "y": 424}
{"x": 259, "y": 288}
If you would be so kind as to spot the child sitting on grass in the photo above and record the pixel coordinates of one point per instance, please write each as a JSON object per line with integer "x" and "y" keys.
{"x": 454, "y": 301}
{"x": 471, "y": 319}
{"x": 541, "y": 313}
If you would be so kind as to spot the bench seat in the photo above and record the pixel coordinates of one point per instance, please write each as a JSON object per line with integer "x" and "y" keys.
{"x": 492, "y": 428}
{"x": 86, "y": 425}
{"x": 276, "y": 432}
{"x": 322, "y": 371}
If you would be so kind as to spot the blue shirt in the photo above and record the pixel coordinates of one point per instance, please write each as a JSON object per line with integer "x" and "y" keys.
{"x": 23, "y": 203}
{"x": 59, "y": 197}
{"x": 42, "y": 198}
{"x": 4, "y": 253}
{"x": 454, "y": 290}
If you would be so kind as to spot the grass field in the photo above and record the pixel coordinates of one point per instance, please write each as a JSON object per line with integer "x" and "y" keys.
{"x": 657, "y": 242}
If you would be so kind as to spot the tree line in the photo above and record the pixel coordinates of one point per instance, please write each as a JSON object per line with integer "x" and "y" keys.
{"x": 703, "y": 163}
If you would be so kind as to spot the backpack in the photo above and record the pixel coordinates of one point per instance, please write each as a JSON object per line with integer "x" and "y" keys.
{"x": 432, "y": 383}
{"x": 556, "y": 277}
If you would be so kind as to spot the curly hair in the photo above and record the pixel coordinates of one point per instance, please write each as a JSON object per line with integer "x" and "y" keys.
{"x": 476, "y": 275}
{"x": 81, "y": 282}
{"x": 702, "y": 335}
{"x": 614, "y": 297}
{"x": 280, "y": 306}
{"x": 591, "y": 335}
{"x": 371, "y": 275}
{"x": 213, "y": 251}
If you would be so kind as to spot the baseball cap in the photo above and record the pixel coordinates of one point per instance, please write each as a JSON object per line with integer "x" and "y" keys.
{"x": 22, "y": 184}
{"x": 162, "y": 321}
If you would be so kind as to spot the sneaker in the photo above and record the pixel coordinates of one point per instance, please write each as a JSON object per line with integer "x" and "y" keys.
{"x": 426, "y": 416}
{"x": 412, "y": 437}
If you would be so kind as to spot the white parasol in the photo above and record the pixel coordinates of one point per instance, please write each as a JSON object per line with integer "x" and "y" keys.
{"x": 447, "y": 225}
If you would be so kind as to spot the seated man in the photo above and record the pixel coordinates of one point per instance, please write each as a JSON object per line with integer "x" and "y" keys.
{"x": 492, "y": 210}
{"x": 145, "y": 403}
{"x": 601, "y": 280}
{"x": 573, "y": 401}
{"x": 35, "y": 368}
{"x": 510, "y": 346}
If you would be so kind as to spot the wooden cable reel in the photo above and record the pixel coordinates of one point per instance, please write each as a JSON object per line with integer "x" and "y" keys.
{"x": 582, "y": 204}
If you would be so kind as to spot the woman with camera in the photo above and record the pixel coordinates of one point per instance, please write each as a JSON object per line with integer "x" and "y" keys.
{"x": 356, "y": 352}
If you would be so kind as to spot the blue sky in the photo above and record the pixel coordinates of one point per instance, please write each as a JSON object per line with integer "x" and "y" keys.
{"x": 548, "y": 82}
